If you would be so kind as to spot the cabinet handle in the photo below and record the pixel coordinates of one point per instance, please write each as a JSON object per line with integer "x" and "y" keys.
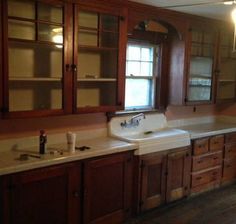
{"x": 199, "y": 178}
{"x": 215, "y": 158}
{"x": 76, "y": 194}
{"x": 199, "y": 161}
{"x": 74, "y": 68}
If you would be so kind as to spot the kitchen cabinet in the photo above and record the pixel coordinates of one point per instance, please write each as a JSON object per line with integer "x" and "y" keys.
{"x": 229, "y": 162}
{"x": 201, "y": 65}
{"x": 178, "y": 174}
{"x": 164, "y": 177}
{"x": 97, "y": 190}
{"x": 226, "y": 71}
{"x": 207, "y": 163}
{"x": 47, "y": 195}
{"x": 108, "y": 189}
{"x": 62, "y": 58}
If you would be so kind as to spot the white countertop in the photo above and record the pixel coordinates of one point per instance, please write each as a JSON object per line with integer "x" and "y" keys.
{"x": 209, "y": 129}
{"x": 10, "y": 163}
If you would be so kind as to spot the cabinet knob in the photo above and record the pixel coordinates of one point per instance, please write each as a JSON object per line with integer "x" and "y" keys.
{"x": 76, "y": 194}
{"x": 74, "y": 68}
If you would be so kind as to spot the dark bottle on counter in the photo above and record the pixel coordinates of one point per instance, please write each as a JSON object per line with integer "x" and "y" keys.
{"x": 42, "y": 142}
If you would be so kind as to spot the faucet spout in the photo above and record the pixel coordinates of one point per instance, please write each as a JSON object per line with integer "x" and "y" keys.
{"x": 134, "y": 121}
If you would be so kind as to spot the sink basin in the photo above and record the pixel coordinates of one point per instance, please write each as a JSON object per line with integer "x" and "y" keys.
{"x": 152, "y": 135}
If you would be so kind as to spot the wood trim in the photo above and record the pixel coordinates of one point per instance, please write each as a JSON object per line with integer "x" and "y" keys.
{"x": 1, "y": 59}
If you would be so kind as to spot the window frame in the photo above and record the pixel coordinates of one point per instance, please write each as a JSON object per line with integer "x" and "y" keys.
{"x": 152, "y": 104}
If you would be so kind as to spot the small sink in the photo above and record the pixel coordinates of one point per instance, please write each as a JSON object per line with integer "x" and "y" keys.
{"x": 152, "y": 135}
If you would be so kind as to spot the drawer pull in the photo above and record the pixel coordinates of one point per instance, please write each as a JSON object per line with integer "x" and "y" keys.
{"x": 199, "y": 178}
{"x": 199, "y": 161}
{"x": 216, "y": 142}
{"x": 213, "y": 179}
{"x": 200, "y": 146}
{"x": 215, "y": 158}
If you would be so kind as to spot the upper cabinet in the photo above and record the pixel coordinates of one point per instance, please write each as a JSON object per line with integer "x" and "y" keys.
{"x": 226, "y": 71}
{"x": 201, "y": 66}
{"x": 97, "y": 49}
{"x": 61, "y": 58}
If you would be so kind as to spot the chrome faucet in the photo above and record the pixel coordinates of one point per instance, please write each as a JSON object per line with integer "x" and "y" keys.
{"x": 133, "y": 122}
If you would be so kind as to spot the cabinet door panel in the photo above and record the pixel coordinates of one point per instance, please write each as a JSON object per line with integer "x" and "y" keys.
{"x": 200, "y": 146}
{"x": 178, "y": 178}
{"x": 43, "y": 196}
{"x": 107, "y": 189}
{"x": 153, "y": 181}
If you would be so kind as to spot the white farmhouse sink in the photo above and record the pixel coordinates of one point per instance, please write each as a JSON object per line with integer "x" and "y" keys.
{"x": 151, "y": 135}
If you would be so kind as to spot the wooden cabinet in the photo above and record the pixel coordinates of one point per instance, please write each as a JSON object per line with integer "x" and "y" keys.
{"x": 229, "y": 166}
{"x": 207, "y": 163}
{"x": 201, "y": 65}
{"x": 153, "y": 181}
{"x": 108, "y": 189}
{"x": 48, "y": 195}
{"x": 62, "y": 58}
{"x": 98, "y": 190}
{"x": 163, "y": 177}
{"x": 226, "y": 71}
{"x": 178, "y": 176}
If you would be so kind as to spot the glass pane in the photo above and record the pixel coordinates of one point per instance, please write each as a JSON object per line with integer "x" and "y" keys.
{"x": 146, "y": 69}
{"x": 26, "y": 95}
{"x": 50, "y": 33}
{"x": 207, "y": 51}
{"x": 93, "y": 94}
{"x": 147, "y": 54}
{"x": 201, "y": 66}
{"x": 21, "y": 30}
{"x": 133, "y": 53}
{"x": 24, "y": 9}
{"x": 88, "y": 19}
{"x": 109, "y": 23}
{"x": 138, "y": 93}
{"x": 196, "y": 36}
{"x": 88, "y": 38}
{"x": 50, "y": 13}
{"x": 109, "y": 40}
{"x": 198, "y": 93}
{"x": 32, "y": 61}
{"x": 132, "y": 68}
{"x": 208, "y": 38}
{"x": 196, "y": 50}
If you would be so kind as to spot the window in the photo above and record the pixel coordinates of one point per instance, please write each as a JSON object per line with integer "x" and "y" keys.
{"x": 140, "y": 76}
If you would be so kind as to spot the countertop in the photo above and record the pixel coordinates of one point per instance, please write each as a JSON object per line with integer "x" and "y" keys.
{"x": 209, "y": 129}
{"x": 10, "y": 162}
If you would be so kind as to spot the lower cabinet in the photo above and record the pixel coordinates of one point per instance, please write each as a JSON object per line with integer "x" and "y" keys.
{"x": 108, "y": 189}
{"x": 91, "y": 191}
{"x": 164, "y": 177}
{"x": 48, "y": 195}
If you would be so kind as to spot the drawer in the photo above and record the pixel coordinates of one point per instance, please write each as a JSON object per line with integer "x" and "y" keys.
{"x": 206, "y": 177}
{"x": 200, "y": 146}
{"x": 207, "y": 161}
{"x": 229, "y": 170}
{"x": 230, "y": 138}
{"x": 230, "y": 151}
{"x": 216, "y": 143}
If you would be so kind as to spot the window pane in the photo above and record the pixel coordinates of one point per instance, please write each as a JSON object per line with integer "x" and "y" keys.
{"x": 133, "y": 53}
{"x": 50, "y": 13}
{"x": 23, "y": 9}
{"x": 146, "y": 69}
{"x": 147, "y": 54}
{"x": 133, "y": 68}
{"x": 138, "y": 93}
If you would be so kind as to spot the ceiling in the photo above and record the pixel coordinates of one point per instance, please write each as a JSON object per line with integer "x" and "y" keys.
{"x": 214, "y": 9}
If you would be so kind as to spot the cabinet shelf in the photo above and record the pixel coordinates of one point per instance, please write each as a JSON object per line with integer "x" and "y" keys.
{"x": 94, "y": 48}
{"x": 96, "y": 80}
{"x": 26, "y": 79}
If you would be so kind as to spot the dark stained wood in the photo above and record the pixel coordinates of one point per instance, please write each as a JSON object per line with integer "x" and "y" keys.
{"x": 200, "y": 146}
{"x": 230, "y": 138}
{"x": 178, "y": 176}
{"x": 207, "y": 160}
{"x": 108, "y": 189}
{"x": 1, "y": 62}
{"x": 216, "y": 143}
{"x": 229, "y": 170}
{"x": 153, "y": 181}
{"x": 47, "y": 195}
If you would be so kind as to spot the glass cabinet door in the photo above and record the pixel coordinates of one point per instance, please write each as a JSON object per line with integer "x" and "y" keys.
{"x": 97, "y": 60}
{"x": 35, "y": 55}
{"x": 226, "y": 88}
{"x": 201, "y": 66}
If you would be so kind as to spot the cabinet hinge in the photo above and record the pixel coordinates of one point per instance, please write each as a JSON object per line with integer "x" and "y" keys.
{"x": 122, "y": 18}
{"x": 141, "y": 203}
{"x": 4, "y": 109}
